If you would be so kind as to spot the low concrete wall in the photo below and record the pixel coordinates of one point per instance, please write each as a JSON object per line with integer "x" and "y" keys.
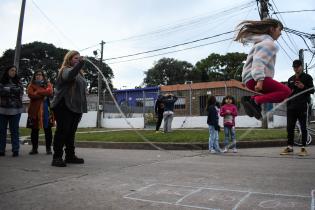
{"x": 89, "y": 120}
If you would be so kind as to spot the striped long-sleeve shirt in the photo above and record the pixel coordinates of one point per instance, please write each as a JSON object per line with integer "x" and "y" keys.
{"x": 260, "y": 62}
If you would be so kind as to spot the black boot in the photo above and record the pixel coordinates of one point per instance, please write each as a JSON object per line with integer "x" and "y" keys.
{"x": 58, "y": 162}
{"x": 74, "y": 159}
{"x": 48, "y": 151}
{"x": 15, "y": 154}
{"x": 33, "y": 152}
{"x": 251, "y": 108}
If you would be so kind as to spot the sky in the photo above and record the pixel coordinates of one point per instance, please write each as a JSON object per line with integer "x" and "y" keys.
{"x": 131, "y": 27}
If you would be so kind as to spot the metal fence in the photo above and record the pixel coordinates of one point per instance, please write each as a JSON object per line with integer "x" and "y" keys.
{"x": 189, "y": 103}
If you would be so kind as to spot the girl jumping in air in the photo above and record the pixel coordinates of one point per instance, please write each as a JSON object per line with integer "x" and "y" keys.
{"x": 259, "y": 69}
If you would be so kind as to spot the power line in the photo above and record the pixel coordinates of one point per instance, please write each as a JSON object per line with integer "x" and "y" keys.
{"x": 285, "y": 51}
{"x": 174, "y": 51}
{"x": 164, "y": 48}
{"x": 186, "y": 23}
{"x": 294, "y": 11}
{"x": 292, "y": 41}
{"x": 53, "y": 24}
{"x": 92, "y": 46}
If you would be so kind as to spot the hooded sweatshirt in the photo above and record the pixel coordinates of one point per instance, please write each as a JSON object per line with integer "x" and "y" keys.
{"x": 260, "y": 62}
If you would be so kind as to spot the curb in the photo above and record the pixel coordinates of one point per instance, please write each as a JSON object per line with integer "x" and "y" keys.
{"x": 172, "y": 146}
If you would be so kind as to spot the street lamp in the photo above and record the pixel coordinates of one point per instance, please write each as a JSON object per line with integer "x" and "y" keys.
{"x": 190, "y": 102}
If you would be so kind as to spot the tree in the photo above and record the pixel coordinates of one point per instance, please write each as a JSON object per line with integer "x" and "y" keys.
{"x": 218, "y": 67}
{"x": 39, "y": 55}
{"x": 168, "y": 71}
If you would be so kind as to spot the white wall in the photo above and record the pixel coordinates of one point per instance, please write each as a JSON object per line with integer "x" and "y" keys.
{"x": 123, "y": 122}
{"x": 89, "y": 120}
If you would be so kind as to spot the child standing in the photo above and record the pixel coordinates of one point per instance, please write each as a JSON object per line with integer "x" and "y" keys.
{"x": 229, "y": 111}
{"x": 213, "y": 123}
{"x": 259, "y": 69}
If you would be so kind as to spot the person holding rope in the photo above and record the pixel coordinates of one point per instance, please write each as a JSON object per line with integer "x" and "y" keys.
{"x": 68, "y": 104}
{"x": 159, "y": 109}
{"x": 168, "y": 100}
{"x": 297, "y": 106}
{"x": 259, "y": 68}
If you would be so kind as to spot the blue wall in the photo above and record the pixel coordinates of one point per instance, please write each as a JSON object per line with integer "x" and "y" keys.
{"x": 132, "y": 96}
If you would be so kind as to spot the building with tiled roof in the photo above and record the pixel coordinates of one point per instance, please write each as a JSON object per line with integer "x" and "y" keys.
{"x": 192, "y": 97}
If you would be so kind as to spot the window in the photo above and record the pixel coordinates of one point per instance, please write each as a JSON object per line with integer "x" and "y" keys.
{"x": 148, "y": 102}
{"x": 180, "y": 103}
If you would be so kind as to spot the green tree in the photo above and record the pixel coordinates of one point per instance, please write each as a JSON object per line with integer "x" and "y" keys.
{"x": 39, "y": 55}
{"x": 218, "y": 67}
{"x": 168, "y": 71}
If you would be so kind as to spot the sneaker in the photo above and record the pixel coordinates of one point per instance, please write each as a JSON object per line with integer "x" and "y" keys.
{"x": 225, "y": 150}
{"x": 58, "y": 162}
{"x": 15, "y": 154}
{"x": 287, "y": 151}
{"x": 303, "y": 152}
{"x": 74, "y": 160}
{"x": 234, "y": 150}
{"x": 33, "y": 152}
{"x": 244, "y": 101}
{"x": 252, "y": 109}
{"x": 212, "y": 151}
{"x": 2, "y": 153}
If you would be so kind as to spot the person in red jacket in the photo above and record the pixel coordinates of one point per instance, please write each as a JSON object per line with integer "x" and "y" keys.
{"x": 39, "y": 113}
{"x": 229, "y": 111}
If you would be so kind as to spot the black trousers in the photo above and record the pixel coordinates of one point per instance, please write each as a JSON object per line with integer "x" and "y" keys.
{"x": 67, "y": 124}
{"x": 48, "y": 138}
{"x": 159, "y": 121}
{"x": 292, "y": 116}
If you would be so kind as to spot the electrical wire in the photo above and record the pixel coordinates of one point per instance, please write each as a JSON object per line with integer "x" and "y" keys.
{"x": 223, "y": 40}
{"x": 285, "y": 51}
{"x": 292, "y": 41}
{"x": 184, "y": 24}
{"x": 53, "y": 24}
{"x": 294, "y": 11}
{"x": 92, "y": 46}
{"x": 164, "y": 48}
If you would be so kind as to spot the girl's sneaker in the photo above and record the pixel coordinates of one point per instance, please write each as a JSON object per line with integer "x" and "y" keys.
{"x": 225, "y": 150}
{"x": 212, "y": 151}
{"x": 234, "y": 150}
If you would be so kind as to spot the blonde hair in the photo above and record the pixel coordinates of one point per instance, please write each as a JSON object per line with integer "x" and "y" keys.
{"x": 67, "y": 60}
{"x": 251, "y": 27}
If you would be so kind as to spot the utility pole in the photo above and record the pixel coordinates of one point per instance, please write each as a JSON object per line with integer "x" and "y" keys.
{"x": 264, "y": 11}
{"x": 19, "y": 37}
{"x": 99, "y": 90}
{"x": 301, "y": 57}
{"x": 264, "y": 14}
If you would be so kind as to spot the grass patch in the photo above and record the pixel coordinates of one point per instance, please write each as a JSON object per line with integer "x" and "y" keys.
{"x": 177, "y": 136}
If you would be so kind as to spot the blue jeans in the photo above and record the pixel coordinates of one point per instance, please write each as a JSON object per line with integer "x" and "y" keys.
{"x": 229, "y": 131}
{"x": 13, "y": 121}
{"x": 213, "y": 139}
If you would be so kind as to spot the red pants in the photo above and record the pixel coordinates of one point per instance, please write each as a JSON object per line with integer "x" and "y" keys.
{"x": 272, "y": 92}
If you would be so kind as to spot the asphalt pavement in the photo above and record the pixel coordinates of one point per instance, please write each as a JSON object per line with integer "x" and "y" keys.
{"x": 253, "y": 178}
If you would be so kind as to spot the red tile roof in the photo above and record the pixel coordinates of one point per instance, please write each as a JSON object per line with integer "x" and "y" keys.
{"x": 205, "y": 85}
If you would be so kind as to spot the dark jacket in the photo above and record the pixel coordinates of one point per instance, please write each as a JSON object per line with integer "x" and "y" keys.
{"x": 11, "y": 98}
{"x": 213, "y": 117}
{"x": 300, "y": 102}
{"x": 159, "y": 107}
{"x": 169, "y": 102}
{"x": 71, "y": 86}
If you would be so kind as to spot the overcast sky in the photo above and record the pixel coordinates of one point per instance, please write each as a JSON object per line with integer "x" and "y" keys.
{"x": 133, "y": 26}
